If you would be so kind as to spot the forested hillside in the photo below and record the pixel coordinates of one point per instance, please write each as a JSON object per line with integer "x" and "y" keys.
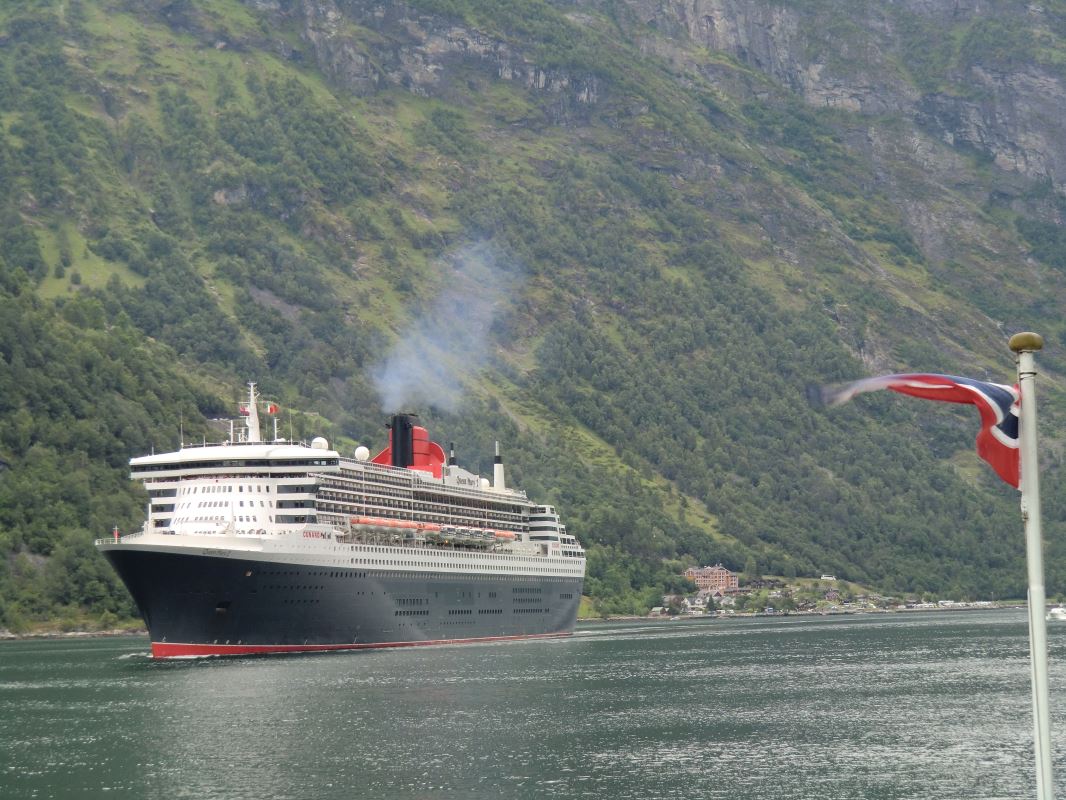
{"x": 622, "y": 240}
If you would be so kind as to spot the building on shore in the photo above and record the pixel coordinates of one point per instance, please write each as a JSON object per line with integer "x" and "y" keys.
{"x": 716, "y": 577}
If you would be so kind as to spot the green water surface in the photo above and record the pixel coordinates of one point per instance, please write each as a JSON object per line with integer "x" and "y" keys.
{"x": 918, "y": 705}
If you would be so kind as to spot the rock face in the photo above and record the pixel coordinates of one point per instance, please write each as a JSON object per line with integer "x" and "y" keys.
{"x": 1018, "y": 121}
{"x": 862, "y": 57}
{"x": 419, "y": 52}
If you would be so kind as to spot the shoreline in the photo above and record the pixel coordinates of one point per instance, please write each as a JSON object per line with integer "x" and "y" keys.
{"x": 8, "y": 636}
{"x": 835, "y": 613}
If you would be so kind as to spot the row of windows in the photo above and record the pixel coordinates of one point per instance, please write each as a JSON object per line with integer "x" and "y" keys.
{"x": 490, "y": 611}
{"x": 459, "y": 612}
{"x": 237, "y": 518}
{"x": 298, "y": 488}
{"x": 292, "y": 587}
{"x": 360, "y": 493}
{"x": 194, "y": 483}
{"x": 222, "y": 504}
{"x": 467, "y": 554}
{"x": 423, "y": 576}
{"x": 530, "y": 610}
{"x": 353, "y": 471}
{"x": 412, "y": 612}
{"x": 227, "y": 488}
{"x": 416, "y": 567}
{"x": 464, "y": 555}
{"x": 292, "y": 573}
{"x": 328, "y": 501}
{"x": 423, "y": 501}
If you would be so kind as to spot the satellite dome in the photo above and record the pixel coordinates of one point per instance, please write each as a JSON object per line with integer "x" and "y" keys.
{"x": 361, "y": 453}
{"x": 484, "y": 483}
{"x": 320, "y": 443}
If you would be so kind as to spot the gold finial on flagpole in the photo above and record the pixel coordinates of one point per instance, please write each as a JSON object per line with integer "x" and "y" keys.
{"x": 1026, "y": 342}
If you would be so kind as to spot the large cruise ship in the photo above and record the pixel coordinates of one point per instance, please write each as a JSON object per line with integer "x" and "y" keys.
{"x": 253, "y": 546}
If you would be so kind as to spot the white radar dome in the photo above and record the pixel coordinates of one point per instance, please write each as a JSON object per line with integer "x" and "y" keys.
{"x": 361, "y": 453}
{"x": 484, "y": 483}
{"x": 319, "y": 443}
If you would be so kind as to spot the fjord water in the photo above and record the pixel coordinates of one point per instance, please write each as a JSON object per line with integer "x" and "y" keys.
{"x": 919, "y": 705}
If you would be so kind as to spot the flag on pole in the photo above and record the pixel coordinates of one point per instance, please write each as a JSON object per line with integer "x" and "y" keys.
{"x": 999, "y": 406}
{"x": 272, "y": 408}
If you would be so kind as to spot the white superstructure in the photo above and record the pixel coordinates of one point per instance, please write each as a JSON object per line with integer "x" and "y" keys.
{"x": 308, "y": 501}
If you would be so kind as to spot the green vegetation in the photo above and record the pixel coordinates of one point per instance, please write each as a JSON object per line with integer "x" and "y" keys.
{"x": 191, "y": 200}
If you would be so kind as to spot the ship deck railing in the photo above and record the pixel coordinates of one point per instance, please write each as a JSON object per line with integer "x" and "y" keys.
{"x": 241, "y": 443}
{"x": 124, "y": 537}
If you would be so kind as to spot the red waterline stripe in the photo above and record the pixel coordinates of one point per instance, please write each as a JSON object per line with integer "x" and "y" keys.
{"x": 174, "y": 650}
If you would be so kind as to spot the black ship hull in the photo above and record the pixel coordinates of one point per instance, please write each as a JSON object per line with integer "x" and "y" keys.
{"x": 202, "y": 604}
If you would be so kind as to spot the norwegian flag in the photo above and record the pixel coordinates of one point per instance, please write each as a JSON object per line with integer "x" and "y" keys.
{"x": 999, "y": 406}
{"x": 272, "y": 409}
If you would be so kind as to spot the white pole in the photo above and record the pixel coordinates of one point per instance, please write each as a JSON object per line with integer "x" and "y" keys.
{"x": 1024, "y": 345}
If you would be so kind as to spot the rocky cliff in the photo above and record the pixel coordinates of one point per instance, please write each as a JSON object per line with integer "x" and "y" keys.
{"x": 987, "y": 77}
{"x": 982, "y": 77}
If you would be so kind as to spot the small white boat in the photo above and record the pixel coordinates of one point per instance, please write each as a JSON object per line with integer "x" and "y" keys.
{"x": 1056, "y": 613}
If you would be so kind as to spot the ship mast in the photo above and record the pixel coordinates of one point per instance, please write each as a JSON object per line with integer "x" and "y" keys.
{"x": 253, "y": 415}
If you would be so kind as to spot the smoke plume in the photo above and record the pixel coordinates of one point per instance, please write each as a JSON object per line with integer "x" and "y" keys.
{"x": 449, "y": 343}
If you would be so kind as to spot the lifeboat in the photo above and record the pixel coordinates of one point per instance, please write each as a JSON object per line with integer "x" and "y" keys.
{"x": 369, "y": 522}
{"x": 467, "y": 536}
{"x": 381, "y": 522}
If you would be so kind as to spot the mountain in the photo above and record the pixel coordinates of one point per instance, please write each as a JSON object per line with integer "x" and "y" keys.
{"x": 621, "y": 238}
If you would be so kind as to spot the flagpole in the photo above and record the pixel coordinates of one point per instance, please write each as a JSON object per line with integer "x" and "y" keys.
{"x": 1024, "y": 345}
